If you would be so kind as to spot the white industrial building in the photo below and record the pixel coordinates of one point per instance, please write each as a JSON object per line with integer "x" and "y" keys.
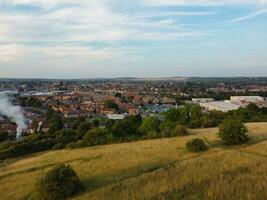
{"x": 116, "y": 116}
{"x": 247, "y": 99}
{"x": 199, "y": 100}
{"x": 223, "y": 106}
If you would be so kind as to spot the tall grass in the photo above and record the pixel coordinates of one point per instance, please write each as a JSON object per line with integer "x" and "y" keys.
{"x": 152, "y": 169}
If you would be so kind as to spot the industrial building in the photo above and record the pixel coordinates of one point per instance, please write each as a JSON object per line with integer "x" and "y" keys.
{"x": 247, "y": 99}
{"x": 223, "y": 106}
{"x": 199, "y": 100}
{"x": 116, "y": 116}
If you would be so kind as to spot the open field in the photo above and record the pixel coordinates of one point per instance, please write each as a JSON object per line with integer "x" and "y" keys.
{"x": 152, "y": 169}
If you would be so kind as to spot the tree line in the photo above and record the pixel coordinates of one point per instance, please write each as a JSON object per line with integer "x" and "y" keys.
{"x": 85, "y": 133}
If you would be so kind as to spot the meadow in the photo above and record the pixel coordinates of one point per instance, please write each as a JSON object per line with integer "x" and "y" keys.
{"x": 152, "y": 169}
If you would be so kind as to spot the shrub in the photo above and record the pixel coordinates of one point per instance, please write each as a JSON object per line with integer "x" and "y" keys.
{"x": 180, "y": 130}
{"x": 75, "y": 145}
{"x": 196, "y": 145}
{"x": 65, "y": 136}
{"x": 172, "y": 115}
{"x": 150, "y": 125}
{"x": 208, "y": 123}
{"x": 153, "y": 135}
{"x": 167, "y": 131}
{"x": 59, "y": 184}
{"x": 26, "y": 147}
{"x": 83, "y": 128}
{"x": 233, "y": 132}
{"x": 126, "y": 128}
{"x": 4, "y": 136}
{"x": 95, "y": 136}
{"x": 58, "y": 146}
{"x": 110, "y": 104}
{"x": 195, "y": 124}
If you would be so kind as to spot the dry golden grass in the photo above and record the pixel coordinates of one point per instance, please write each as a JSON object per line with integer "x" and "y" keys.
{"x": 152, "y": 169}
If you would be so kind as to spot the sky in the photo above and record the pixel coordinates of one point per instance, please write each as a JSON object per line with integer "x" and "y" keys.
{"x": 132, "y": 38}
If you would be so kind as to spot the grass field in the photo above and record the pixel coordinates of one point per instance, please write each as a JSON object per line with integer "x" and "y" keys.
{"x": 152, "y": 169}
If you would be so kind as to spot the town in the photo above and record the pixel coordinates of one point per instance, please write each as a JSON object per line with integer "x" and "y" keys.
{"x": 114, "y": 99}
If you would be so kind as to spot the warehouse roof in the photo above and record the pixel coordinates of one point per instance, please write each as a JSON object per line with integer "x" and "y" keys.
{"x": 220, "y": 105}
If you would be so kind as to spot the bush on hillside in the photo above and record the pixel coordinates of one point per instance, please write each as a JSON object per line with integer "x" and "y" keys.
{"x": 4, "y": 135}
{"x": 180, "y": 130}
{"x": 196, "y": 145}
{"x": 150, "y": 126}
{"x": 125, "y": 129}
{"x": 195, "y": 123}
{"x": 76, "y": 145}
{"x": 26, "y": 147}
{"x": 59, "y": 183}
{"x": 233, "y": 132}
{"x": 83, "y": 128}
{"x": 58, "y": 146}
{"x": 96, "y": 136}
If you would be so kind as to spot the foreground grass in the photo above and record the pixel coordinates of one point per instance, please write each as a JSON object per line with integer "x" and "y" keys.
{"x": 155, "y": 169}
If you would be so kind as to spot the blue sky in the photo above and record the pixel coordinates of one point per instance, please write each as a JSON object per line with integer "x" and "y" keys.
{"x": 141, "y": 38}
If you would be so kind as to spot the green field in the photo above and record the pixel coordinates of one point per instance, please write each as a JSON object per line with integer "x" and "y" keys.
{"x": 152, "y": 169}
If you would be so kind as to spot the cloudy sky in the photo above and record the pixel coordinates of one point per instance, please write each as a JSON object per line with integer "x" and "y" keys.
{"x": 141, "y": 38}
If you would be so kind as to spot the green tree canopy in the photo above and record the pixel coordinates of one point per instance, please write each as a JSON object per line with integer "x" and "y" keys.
{"x": 233, "y": 132}
{"x": 96, "y": 136}
{"x": 4, "y": 135}
{"x": 111, "y": 105}
{"x": 150, "y": 125}
{"x": 59, "y": 183}
{"x": 196, "y": 145}
{"x": 83, "y": 128}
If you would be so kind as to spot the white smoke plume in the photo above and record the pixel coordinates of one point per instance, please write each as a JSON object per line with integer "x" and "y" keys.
{"x": 14, "y": 113}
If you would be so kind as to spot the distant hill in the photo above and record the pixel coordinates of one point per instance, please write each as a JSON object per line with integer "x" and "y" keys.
{"x": 250, "y": 80}
{"x": 152, "y": 169}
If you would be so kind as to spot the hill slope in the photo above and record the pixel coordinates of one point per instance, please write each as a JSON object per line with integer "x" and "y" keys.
{"x": 153, "y": 169}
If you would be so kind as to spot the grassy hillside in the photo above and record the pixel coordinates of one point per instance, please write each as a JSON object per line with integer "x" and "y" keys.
{"x": 153, "y": 169}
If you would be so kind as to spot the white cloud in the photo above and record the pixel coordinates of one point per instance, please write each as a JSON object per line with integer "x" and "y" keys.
{"x": 9, "y": 53}
{"x": 90, "y": 23}
{"x": 67, "y": 32}
{"x": 64, "y": 34}
{"x": 206, "y": 2}
{"x": 249, "y": 16}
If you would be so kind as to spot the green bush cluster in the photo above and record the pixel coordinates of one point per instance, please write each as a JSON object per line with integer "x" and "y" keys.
{"x": 233, "y": 132}
{"x": 59, "y": 183}
{"x": 196, "y": 145}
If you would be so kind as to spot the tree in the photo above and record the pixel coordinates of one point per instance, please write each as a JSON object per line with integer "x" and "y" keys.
{"x": 196, "y": 145}
{"x": 4, "y": 135}
{"x": 118, "y": 95}
{"x": 56, "y": 124}
{"x": 96, "y": 123}
{"x": 96, "y": 136}
{"x": 185, "y": 115}
{"x": 150, "y": 125}
{"x": 30, "y": 102}
{"x": 126, "y": 128}
{"x": 49, "y": 114}
{"x": 78, "y": 122}
{"x": 83, "y": 128}
{"x": 213, "y": 119}
{"x": 59, "y": 183}
{"x": 65, "y": 136}
{"x": 172, "y": 115}
{"x": 196, "y": 112}
{"x": 180, "y": 130}
{"x": 253, "y": 108}
{"x": 35, "y": 125}
{"x": 233, "y": 132}
{"x": 111, "y": 104}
